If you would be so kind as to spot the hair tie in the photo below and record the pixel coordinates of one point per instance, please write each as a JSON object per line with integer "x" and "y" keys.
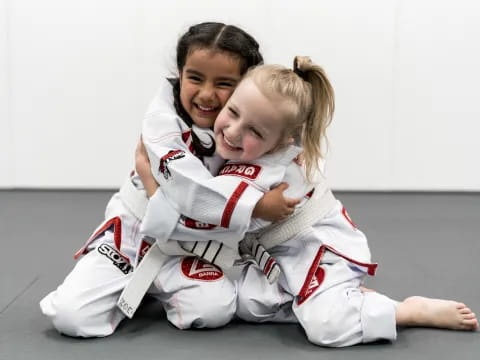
{"x": 303, "y": 60}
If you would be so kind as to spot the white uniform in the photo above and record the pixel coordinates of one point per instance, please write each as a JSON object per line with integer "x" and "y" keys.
{"x": 322, "y": 267}
{"x": 193, "y": 292}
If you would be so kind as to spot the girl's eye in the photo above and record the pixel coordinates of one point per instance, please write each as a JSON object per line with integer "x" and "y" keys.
{"x": 194, "y": 78}
{"x": 257, "y": 133}
{"x": 232, "y": 112}
{"x": 224, "y": 84}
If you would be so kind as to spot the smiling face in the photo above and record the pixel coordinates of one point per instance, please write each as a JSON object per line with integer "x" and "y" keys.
{"x": 250, "y": 125}
{"x": 206, "y": 83}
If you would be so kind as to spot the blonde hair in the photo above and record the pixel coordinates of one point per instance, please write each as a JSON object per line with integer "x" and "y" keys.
{"x": 309, "y": 90}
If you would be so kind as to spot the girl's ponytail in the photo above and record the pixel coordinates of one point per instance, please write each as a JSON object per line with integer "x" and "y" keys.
{"x": 321, "y": 110}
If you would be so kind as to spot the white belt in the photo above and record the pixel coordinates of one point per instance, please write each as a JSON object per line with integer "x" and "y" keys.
{"x": 321, "y": 202}
{"x": 257, "y": 244}
{"x": 141, "y": 280}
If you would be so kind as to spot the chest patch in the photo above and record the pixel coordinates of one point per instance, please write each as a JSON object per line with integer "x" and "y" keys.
{"x": 249, "y": 171}
{"x": 194, "y": 224}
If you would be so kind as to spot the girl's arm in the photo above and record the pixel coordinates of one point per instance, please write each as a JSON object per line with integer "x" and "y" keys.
{"x": 159, "y": 226}
{"x": 272, "y": 206}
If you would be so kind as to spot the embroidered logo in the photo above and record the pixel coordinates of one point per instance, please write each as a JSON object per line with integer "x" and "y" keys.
{"x": 166, "y": 159}
{"x": 315, "y": 277}
{"x": 194, "y": 224}
{"x": 116, "y": 258}
{"x": 249, "y": 171}
{"x": 312, "y": 283}
{"x": 197, "y": 269}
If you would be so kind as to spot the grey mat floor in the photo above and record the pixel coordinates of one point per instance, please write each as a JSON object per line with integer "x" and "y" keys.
{"x": 426, "y": 244}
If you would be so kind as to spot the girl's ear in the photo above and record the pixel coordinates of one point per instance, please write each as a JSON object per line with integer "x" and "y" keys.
{"x": 290, "y": 140}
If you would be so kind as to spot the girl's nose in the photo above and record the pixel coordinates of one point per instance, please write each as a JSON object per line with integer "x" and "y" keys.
{"x": 234, "y": 133}
{"x": 207, "y": 92}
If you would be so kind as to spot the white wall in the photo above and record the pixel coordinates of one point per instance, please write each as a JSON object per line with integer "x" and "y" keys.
{"x": 6, "y": 153}
{"x": 76, "y": 76}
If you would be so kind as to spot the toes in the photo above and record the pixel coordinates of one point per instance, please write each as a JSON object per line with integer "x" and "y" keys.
{"x": 470, "y": 322}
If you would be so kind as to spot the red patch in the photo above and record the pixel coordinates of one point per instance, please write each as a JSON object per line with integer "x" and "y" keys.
{"x": 194, "y": 224}
{"x": 314, "y": 279}
{"x": 197, "y": 269}
{"x": 346, "y": 216}
{"x": 314, "y": 283}
{"x": 316, "y": 274}
{"x": 249, "y": 171}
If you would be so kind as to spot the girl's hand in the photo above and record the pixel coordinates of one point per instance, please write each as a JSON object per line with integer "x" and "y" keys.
{"x": 142, "y": 166}
{"x": 273, "y": 206}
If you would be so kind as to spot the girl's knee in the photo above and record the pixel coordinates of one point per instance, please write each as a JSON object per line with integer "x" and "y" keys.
{"x": 331, "y": 333}
{"x": 215, "y": 314}
{"x": 257, "y": 299}
{"x": 200, "y": 316}
{"x": 210, "y": 307}
{"x": 71, "y": 318}
{"x": 333, "y": 325}
{"x": 254, "y": 307}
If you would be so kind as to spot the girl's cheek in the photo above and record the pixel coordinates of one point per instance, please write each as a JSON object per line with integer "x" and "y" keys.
{"x": 249, "y": 143}
{"x": 225, "y": 95}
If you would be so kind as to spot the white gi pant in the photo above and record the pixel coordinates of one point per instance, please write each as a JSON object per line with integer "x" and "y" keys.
{"x": 319, "y": 288}
{"x": 192, "y": 292}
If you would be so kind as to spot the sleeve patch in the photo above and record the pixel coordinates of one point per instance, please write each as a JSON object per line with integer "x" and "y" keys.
{"x": 166, "y": 159}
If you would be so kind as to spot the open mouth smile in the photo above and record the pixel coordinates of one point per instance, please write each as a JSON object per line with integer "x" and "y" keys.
{"x": 206, "y": 109}
{"x": 230, "y": 146}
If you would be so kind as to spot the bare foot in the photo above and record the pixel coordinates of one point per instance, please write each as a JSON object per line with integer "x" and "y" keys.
{"x": 364, "y": 289}
{"x": 422, "y": 311}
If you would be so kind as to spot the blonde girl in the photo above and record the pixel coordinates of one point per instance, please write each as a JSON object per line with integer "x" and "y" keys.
{"x": 323, "y": 256}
